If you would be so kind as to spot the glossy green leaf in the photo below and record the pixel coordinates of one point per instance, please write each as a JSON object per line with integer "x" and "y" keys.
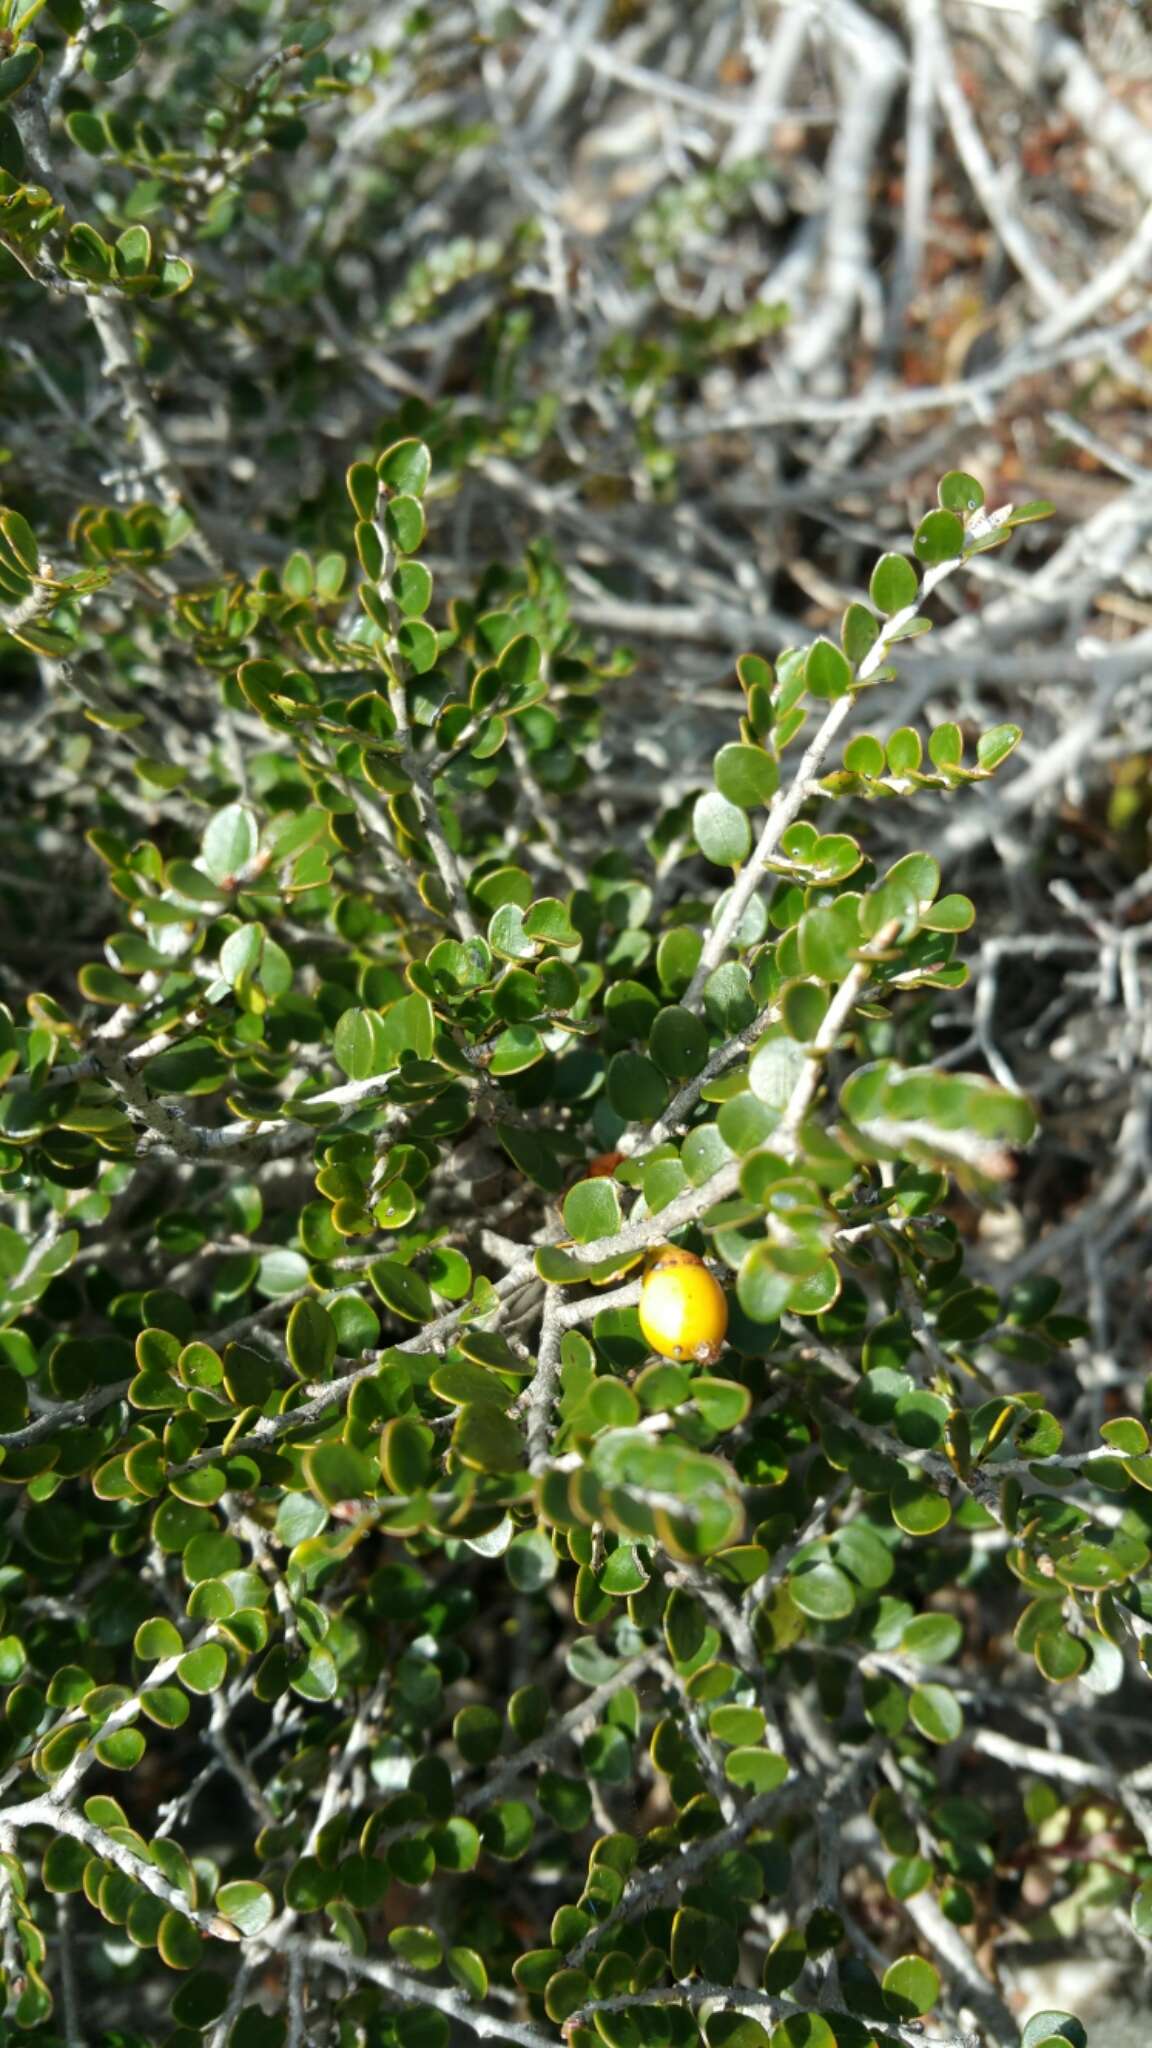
{"x": 722, "y": 831}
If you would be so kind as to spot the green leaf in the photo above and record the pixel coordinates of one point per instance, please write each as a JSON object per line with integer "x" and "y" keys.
{"x": 1125, "y": 1435}
{"x": 677, "y": 957}
{"x": 462, "y": 1381}
{"x": 311, "y": 1339}
{"x": 12, "y": 156}
{"x": 774, "y": 1071}
{"x": 404, "y": 523}
{"x": 592, "y": 1210}
{"x": 637, "y": 1090}
{"x": 179, "y": 1942}
{"x": 530, "y": 1561}
{"x": 820, "y": 1589}
{"x": 64, "y": 1864}
{"x": 409, "y": 1026}
{"x": 478, "y": 1733}
{"x": 828, "y": 939}
{"x": 249, "y": 1906}
{"x": 960, "y": 493}
{"x": 678, "y": 1042}
{"x": 406, "y": 466}
{"x": 507, "y": 1829}
{"x": 176, "y": 274}
{"x": 724, "y": 1404}
{"x": 134, "y": 252}
{"x": 122, "y": 1750}
{"x": 532, "y": 1970}
{"x": 762, "y": 1289}
{"x": 936, "y": 1713}
{"x": 623, "y": 1573}
{"x": 911, "y": 1987}
{"x": 412, "y": 589}
{"x": 1036, "y": 508}
{"x": 742, "y": 1726}
{"x": 364, "y": 489}
{"x": 486, "y": 1439}
{"x": 370, "y": 554}
{"x": 548, "y": 922}
{"x": 566, "y": 1801}
{"x": 405, "y": 1448}
{"x": 201, "y": 1999}
{"x": 17, "y": 567}
{"x": 241, "y": 952}
{"x": 784, "y": 1962}
{"x": 418, "y": 645}
{"x": 803, "y": 1008}
{"x": 229, "y": 843}
{"x": 86, "y": 252}
{"x": 157, "y": 1639}
{"x": 469, "y": 1971}
{"x": 918, "y": 1508}
{"x": 757, "y": 1770}
{"x": 110, "y": 52}
{"x": 402, "y": 1290}
{"x": 722, "y": 831}
{"x": 515, "y": 1050}
{"x": 813, "y": 1293}
{"x": 204, "y": 1669}
{"x": 1106, "y": 1671}
{"x": 995, "y": 745}
{"x": 907, "y": 889}
{"x": 949, "y": 914}
{"x": 507, "y": 936}
{"x": 894, "y": 585}
{"x": 864, "y": 754}
{"x": 1060, "y": 1655}
{"x": 685, "y": 1626}
{"x": 564, "y": 1994}
{"x": 938, "y": 538}
{"x": 934, "y": 1637}
{"x": 729, "y": 1003}
{"x": 746, "y": 776}
{"x": 827, "y": 672}
{"x": 281, "y": 1272}
{"x": 835, "y": 856}
{"x": 417, "y": 1947}
{"x": 805, "y": 2030}
{"x": 17, "y": 69}
{"x": 946, "y": 746}
{"x": 904, "y": 751}
{"x": 338, "y": 1472}
{"x": 859, "y": 632}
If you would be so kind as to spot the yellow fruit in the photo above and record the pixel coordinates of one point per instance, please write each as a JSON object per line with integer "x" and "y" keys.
{"x": 665, "y": 1255}
{"x": 683, "y": 1310}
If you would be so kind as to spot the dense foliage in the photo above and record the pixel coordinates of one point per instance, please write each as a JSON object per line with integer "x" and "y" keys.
{"x": 394, "y": 1648}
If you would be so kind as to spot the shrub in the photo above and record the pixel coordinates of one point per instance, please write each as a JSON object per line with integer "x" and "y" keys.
{"x": 394, "y": 1646}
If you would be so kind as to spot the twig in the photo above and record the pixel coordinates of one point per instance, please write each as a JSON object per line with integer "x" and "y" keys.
{"x": 918, "y": 166}
{"x": 965, "y": 392}
{"x": 870, "y": 66}
{"x": 944, "y": 1940}
{"x": 418, "y": 1991}
{"x": 543, "y": 1388}
{"x": 69, "y": 1991}
{"x": 585, "y": 1713}
{"x": 788, "y": 803}
{"x": 63, "y": 1820}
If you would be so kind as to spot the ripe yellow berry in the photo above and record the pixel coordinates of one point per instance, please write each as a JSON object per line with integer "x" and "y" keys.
{"x": 683, "y": 1310}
